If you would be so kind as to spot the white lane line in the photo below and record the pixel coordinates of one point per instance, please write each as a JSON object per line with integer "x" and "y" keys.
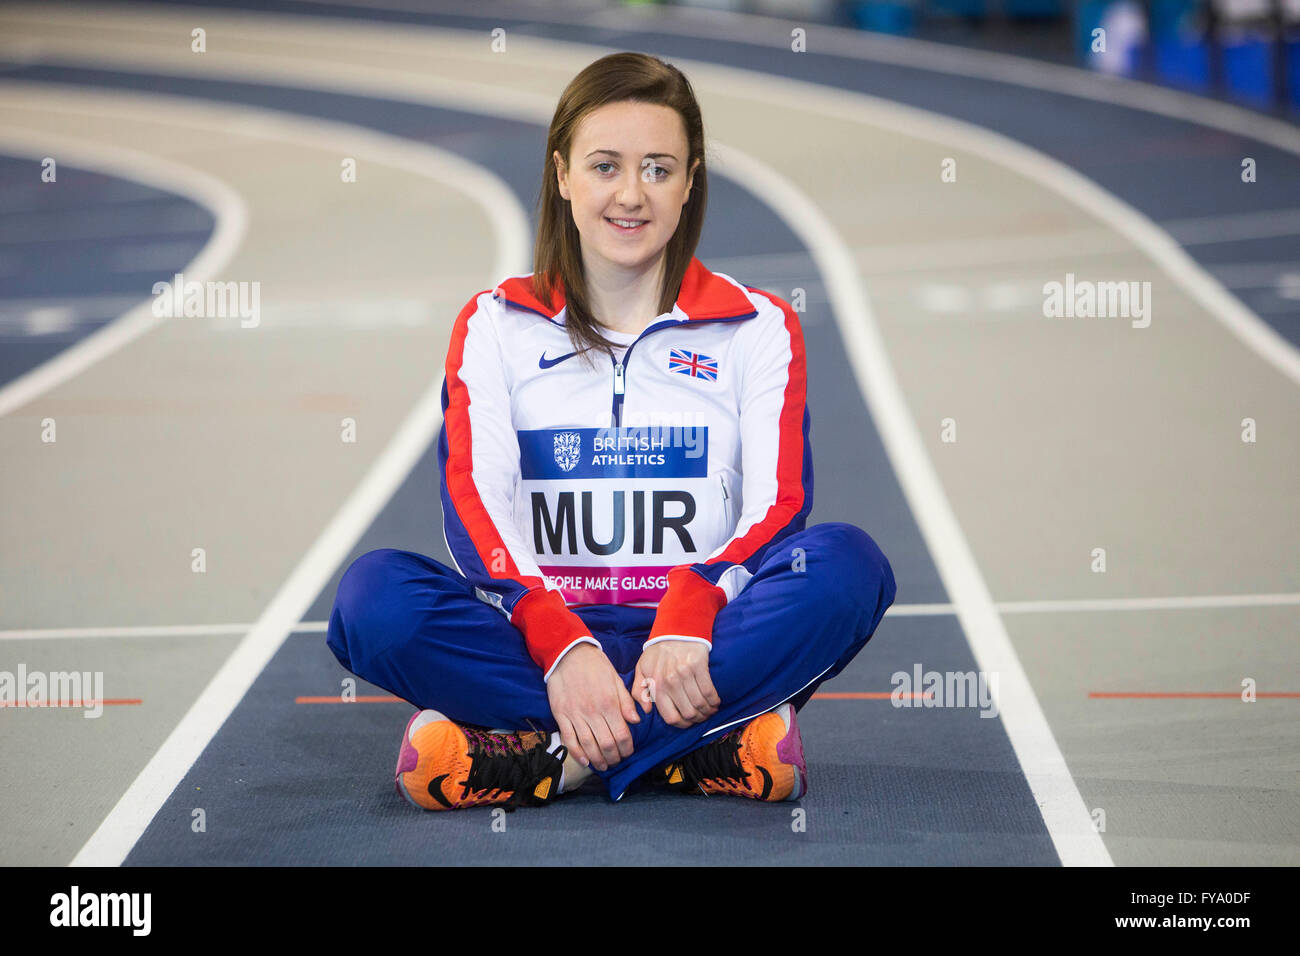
{"x": 1207, "y": 230}
{"x": 100, "y": 304}
{"x": 1065, "y": 815}
{"x": 18, "y": 228}
{"x": 1149, "y": 604}
{"x": 130, "y": 817}
{"x": 146, "y": 630}
{"x": 1256, "y": 274}
{"x": 223, "y": 202}
{"x": 1190, "y": 602}
{"x": 919, "y": 610}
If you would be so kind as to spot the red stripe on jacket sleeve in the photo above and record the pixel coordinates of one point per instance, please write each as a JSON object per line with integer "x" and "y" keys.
{"x": 460, "y": 461}
{"x": 540, "y": 614}
{"x": 790, "y": 450}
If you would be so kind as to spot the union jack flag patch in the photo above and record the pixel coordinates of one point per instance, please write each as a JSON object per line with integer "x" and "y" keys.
{"x": 693, "y": 364}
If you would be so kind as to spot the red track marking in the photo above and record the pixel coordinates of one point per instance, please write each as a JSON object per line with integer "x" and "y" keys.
{"x": 871, "y": 695}
{"x": 112, "y": 702}
{"x": 840, "y": 695}
{"x": 388, "y": 699}
{"x": 1137, "y": 695}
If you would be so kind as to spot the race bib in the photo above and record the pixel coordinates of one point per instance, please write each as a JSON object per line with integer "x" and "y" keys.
{"x": 609, "y": 511}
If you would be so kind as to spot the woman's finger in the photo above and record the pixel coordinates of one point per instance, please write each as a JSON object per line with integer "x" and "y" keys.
{"x": 622, "y": 736}
{"x": 635, "y": 689}
{"x": 605, "y": 740}
{"x": 685, "y": 708}
{"x": 626, "y": 705}
{"x": 678, "y": 678}
{"x": 696, "y": 697}
{"x": 705, "y": 682}
{"x": 589, "y": 744}
{"x": 667, "y": 708}
{"x": 570, "y": 740}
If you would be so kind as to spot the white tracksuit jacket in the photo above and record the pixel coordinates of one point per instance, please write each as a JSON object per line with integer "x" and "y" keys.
{"x": 660, "y": 479}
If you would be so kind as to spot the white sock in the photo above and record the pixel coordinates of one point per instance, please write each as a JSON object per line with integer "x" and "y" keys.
{"x": 550, "y": 749}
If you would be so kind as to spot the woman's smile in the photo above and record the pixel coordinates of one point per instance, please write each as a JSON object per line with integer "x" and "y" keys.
{"x": 627, "y": 227}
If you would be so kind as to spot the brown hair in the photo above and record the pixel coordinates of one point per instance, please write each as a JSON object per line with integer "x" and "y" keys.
{"x": 557, "y": 254}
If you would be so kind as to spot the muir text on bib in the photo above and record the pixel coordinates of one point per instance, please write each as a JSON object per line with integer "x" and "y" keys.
{"x": 609, "y": 511}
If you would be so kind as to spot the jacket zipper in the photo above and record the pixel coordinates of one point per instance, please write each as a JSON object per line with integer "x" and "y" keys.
{"x": 618, "y": 390}
{"x": 619, "y": 367}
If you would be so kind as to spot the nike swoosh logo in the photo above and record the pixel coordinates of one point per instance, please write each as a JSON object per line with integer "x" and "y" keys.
{"x": 435, "y": 789}
{"x": 767, "y": 783}
{"x": 544, "y": 362}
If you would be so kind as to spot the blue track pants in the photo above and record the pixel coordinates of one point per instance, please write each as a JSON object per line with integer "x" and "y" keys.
{"x": 414, "y": 627}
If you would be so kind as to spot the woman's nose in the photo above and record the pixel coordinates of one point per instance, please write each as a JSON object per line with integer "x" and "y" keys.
{"x": 631, "y": 192}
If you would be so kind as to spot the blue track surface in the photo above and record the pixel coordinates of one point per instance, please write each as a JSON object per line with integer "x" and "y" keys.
{"x": 299, "y": 783}
{"x": 71, "y": 253}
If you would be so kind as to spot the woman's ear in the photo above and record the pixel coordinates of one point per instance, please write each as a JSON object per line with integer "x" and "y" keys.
{"x": 690, "y": 180}
{"x": 561, "y": 174}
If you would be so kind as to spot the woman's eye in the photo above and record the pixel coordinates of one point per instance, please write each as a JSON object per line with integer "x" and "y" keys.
{"x": 660, "y": 172}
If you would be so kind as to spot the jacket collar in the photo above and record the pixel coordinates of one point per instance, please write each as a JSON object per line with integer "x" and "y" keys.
{"x": 703, "y": 295}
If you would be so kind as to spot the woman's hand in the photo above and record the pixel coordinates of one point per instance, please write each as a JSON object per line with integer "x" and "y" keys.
{"x": 592, "y": 707}
{"x": 674, "y": 676}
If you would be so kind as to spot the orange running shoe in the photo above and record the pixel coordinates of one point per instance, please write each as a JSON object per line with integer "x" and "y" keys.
{"x": 762, "y": 760}
{"x": 445, "y": 766}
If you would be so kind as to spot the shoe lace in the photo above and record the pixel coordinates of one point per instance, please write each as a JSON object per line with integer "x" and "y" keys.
{"x": 717, "y": 763}
{"x": 501, "y": 762}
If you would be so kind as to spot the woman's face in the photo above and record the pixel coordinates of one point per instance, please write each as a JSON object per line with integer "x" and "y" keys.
{"x": 628, "y": 162}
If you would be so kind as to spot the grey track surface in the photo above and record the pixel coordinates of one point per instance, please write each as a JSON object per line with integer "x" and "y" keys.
{"x": 283, "y": 783}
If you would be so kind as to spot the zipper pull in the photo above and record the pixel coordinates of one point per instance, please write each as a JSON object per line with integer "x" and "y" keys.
{"x": 618, "y": 378}
{"x": 725, "y": 496}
